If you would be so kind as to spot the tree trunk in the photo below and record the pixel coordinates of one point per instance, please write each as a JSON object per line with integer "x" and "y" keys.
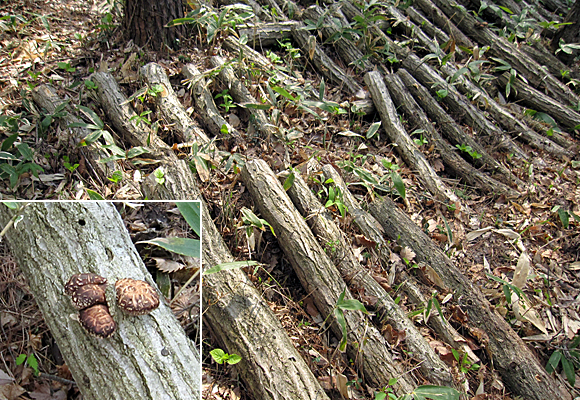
{"x": 149, "y": 356}
{"x": 145, "y": 22}
{"x": 568, "y": 33}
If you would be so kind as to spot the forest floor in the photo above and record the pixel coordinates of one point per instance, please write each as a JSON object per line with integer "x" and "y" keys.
{"x": 63, "y": 42}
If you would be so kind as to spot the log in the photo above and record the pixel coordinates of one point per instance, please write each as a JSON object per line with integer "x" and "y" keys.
{"x": 205, "y": 106}
{"x": 46, "y": 97}
{"x": 176, "y": 173}
{"x": 433, "y": 12}
{"x": 518, "y": 366}
{"x": 324, "y": 64}
{"x": 267, "y": 34}
{"x": 320, "y": 278}
{"x": 360, "y": 281}
{"x": 405, "y": 145}
{"x": 536, "y": 100}
{"x": 242, "y": 95}
{"x": 149, "y": 356}
{"x": 171, "y": 108}
{"x": 416, "y": 116}
{"x": 501, "y": 48}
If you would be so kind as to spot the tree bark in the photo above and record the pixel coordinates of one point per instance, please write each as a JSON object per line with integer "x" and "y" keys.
{"x": 568, "y": 33}
{"x": 149, "y": 356}
{"x": 519, "y": 368}
{"x": 145, "y": 21}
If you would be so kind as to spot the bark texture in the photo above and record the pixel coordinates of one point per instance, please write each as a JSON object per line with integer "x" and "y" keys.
{"x": 145, "y": 22}
{"x": 149, "y": 356}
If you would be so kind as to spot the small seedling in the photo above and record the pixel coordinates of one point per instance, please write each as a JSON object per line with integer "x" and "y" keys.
{"x": 66, "y": 66}
{"x": 68, "y": 165}
{"x": 31, "y": 361}
{"x": 221, "y": 356}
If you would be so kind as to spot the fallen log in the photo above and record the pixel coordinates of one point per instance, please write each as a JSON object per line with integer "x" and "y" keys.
{"x": 320, "y": 279}
{"x": 46, "y": 97}
{"x": 459, "y": 167}
{"x": 518, "y": 366}
{"x": 147, "y": 357}
{"x": 266, "y": 35}
{"x": 362, "y": 284}
{"x": 405, "y": 145}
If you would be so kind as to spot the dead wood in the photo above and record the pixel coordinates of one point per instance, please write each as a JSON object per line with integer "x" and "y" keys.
{"x": 206, "y": 109}
{"x": 433, "y": 12}
{"x": 320, "y": 278}
{"x": 239, "y": 92}
{"x": 242, "y": 322}
{"x": 451, "y": 129}
{"x": 362, "y": 284}
{"x": 405, "y": 145}
{"x": 171, "y": 108}
{"x": 265, "y": 35}
{"x": 148, "y": 357}
{"x": 46, "y": 97}
{"x": 178, "y": 179}
{"x": 417, "y": 119}
{"x": 518, "y": 366}
{"x": 537, "y": 101}
{"x": 324, "y": 64}
{"x": 501, "y": 48}
{"x": 346, "y": 49}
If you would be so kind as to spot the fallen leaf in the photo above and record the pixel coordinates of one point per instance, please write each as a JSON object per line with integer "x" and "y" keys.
{"x": 431, "y": 276}
{"x": 522, "y": 270}
{"x": 407, "y": 254}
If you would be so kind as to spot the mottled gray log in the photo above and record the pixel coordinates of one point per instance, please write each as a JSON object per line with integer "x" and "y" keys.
{"x": 518, "y": 366}
{"x": 359, "y": 280}
{"x": 171, "y": 108}
{"x": 46, "y": 97}
{"x": 405, "y": 145}
{"x": 449, "y": 154}
{"x": 433, "y": 12}
{"x": 266, "y": 35}
{"x": 149, "y": 356}
{"x": 320, "y": 278}
{"x": 205, "y": 106}
{"x": 324, "y": 64}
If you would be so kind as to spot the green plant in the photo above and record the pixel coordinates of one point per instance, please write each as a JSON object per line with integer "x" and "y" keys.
{"x": 442, "y": 93}
{"x": 420, "y": 393}
{"x": 464, "y": 365}
{"x": 24, "y": 163}
{"x": 116, "y": 177}
{"x": 335, "y": 199}
{"x": 31, "y": 361}
{"x": 569, "y": 357}
{"x": 221, "y": 356}
{"x": 565, "y": 215}
{"x": 342, "y": 305}
{"x": 469, "y": 150}
{"x": 141, "y": 117}
{"x": 421, "y": 140}
{"x": 228, "y": 101}
{"x": 66, "y": 66}
{"x": 68, "y": 165}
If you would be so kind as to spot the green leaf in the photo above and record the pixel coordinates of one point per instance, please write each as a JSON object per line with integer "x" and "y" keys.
{"x": 136, "y": 151}
{"x": 352, "y": 304}
{"x": 92, "y": 116}
{"x": 380, "y": 396}
{"x": 25, "y": 151}
{"x": 568, "y": 368}
{"x": 20, "y": 359}
{"x": 564, "y": 217}
{"x": 32, "y": 363}
{"x": 553, "y": 361}
{"x": 342, "y": 323}
{"x": 284, "y": 93}
{"x": 289, "y": 181}
{"x": 575, "y": 342}
{"x": 218, "y": 355}
{"x": 398, "y": 182}
{"x": 234, "y": 359}
{"x": 437, "y": 392}
{"x": 229, "y": 265}
{"x": 10, "y": 204}
{"x": 255, "y": 106}
{"x": 7, "y": 156}
{"x": 192, "y": 214}
{"x": 251, "y": 218}
{"x": 8, "y": 142}
{"x": 184, "y": 246}
{"x": 94, "y": 195}
{"x": 93, "y": 137}
{"x": 373, "y": 129}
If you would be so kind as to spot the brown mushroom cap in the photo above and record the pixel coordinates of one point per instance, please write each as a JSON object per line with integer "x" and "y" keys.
{"x": 88, "y": 295}
{"x": 136, "y": 297}
{"x": 97, "y": 321}
{"x": 78, "y": 280}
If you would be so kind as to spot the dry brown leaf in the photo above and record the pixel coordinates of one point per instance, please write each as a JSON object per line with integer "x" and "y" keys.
{"x": 407, "y": 254}
{"x": 165, "y": 265}
{"x": 341, "y": 385}
{"x": 522, "y": 271}
{"x": 11, "y": 392}
{"x": 364, "y": 241}
{"x": 384, "y": 282}
{"x": 431, "y": 276}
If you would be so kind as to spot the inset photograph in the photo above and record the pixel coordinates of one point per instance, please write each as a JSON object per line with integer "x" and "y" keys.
{"x": 100, "y": 300}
